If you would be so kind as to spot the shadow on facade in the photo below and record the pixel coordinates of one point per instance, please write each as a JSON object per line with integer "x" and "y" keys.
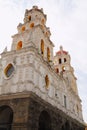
{"x": 6, "y": 118}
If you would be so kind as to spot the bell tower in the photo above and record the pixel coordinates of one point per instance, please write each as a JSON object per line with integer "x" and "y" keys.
{"x": 62, "y": 61}
{"x": 34, "y": 31}
{"x": 63, "y": 67}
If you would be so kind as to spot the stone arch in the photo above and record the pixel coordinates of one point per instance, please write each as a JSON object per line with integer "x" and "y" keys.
{"x": 44, "y": 121}
{"x": 6, "y": 117}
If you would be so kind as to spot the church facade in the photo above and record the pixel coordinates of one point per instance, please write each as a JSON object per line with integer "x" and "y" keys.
{"x": 38, "y": 90}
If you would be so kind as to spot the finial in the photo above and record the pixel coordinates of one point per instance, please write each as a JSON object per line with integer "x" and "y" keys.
{"x": 5, "y": 50}
{"x": 35, "y": 7}
{"x": 42, "y": 9}
{"x": 61, "y": 48}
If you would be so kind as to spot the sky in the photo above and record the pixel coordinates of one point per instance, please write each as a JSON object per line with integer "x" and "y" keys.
{"x": 67, "y": 20}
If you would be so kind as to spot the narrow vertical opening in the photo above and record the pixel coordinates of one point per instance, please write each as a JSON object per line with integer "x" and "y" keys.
{"x": 65, "y": 104}
{"x": 47, "y": 81}
{"x": 42, "y": 47}
{"x": 48, "y": 54}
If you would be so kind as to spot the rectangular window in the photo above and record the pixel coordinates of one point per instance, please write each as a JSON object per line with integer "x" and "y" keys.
{"x": 65, "y": 104}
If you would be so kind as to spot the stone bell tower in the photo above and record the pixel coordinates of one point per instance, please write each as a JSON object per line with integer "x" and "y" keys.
{"x": 33, "y": 96}
{"x": 63, "y": 67}
{"x": 34, "y": 31}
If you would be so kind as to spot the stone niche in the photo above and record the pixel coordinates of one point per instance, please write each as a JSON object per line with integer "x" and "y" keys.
{"x": 30, "y": 112}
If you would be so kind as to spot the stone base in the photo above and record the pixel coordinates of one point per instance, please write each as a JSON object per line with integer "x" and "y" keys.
{"x": 30, "y": 112}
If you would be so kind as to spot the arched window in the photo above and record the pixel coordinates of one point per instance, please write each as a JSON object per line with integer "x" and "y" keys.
{"x": 42, "y": 47}
{"x": 19, "y": 45}
{"x": 6, "y": 118}
{"x": 60, "y": 61}
{"x": 23, "y": 28}
{"x": 48, "y": 54}
{"x": 29, "y": 17}
{"x": 9, "y": 70}
{"x": 44, "y": 121}
{"x": 31, "y": 25}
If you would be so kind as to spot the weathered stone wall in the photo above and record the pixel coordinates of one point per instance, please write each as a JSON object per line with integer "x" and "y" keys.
{"x": 27, "y": 115}
{"x": 32, "y": 113}
{"x": 19, "y": 107}
{"x": 59, "y": 120}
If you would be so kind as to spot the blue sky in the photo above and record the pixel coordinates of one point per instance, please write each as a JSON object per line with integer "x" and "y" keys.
{"x": 67, "y": 20}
